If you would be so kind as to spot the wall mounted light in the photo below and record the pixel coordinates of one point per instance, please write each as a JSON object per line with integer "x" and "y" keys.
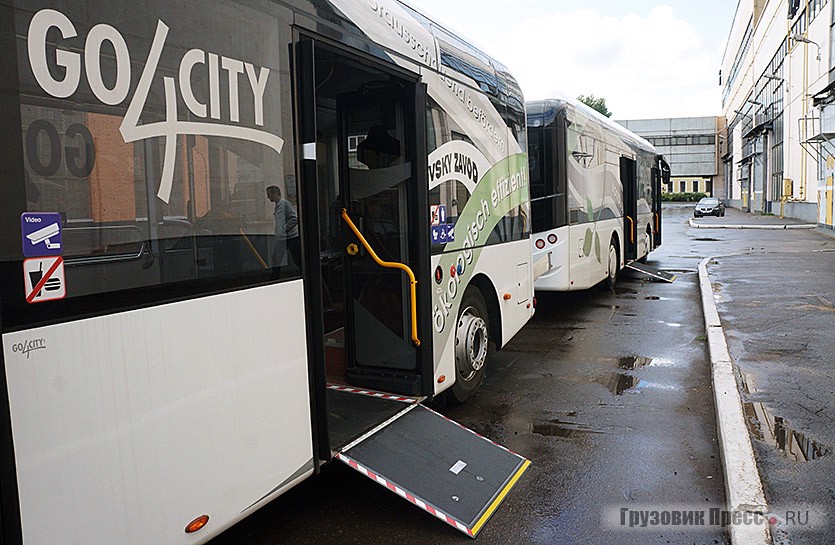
{"x": 802, "y": 39}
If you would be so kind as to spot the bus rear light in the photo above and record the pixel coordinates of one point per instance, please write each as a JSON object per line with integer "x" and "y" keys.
{"x": 552, "y": 238}
{"x": 540, "y": 244}
{"x": 506, "y": 297}
{"x": 441, "y": 379}
{"x": 197, "y": 524}
{"x": 534, "y": 302}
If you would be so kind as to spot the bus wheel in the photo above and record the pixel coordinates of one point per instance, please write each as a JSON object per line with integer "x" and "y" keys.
{"x": 614, "y": 263}
{"x": 471, "y": 345}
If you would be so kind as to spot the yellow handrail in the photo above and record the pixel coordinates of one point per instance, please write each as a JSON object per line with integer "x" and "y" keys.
{"x": 631, "y": 230}
{"x": 253, "y": 250}
{"x": 390, "y": 265}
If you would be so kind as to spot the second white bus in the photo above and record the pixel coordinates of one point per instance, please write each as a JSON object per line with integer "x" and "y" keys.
{"x": 595, "y": 195}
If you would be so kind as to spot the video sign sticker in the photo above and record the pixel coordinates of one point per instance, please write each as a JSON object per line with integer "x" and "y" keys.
{"x": 41, "y": 234}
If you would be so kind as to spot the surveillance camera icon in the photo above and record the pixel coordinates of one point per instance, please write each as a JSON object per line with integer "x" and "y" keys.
{"x": 43, "y": 235}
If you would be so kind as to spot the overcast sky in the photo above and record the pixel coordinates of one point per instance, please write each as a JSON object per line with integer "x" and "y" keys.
{"x": 647, "y": 58}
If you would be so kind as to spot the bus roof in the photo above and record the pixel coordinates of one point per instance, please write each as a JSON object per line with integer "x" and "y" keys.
{"x": 544, "y": 113}
{"x": 459, "y": 54}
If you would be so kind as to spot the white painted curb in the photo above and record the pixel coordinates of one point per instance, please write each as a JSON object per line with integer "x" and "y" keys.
{"x": 695, "y": 225}
{"x": 744, "y": 492}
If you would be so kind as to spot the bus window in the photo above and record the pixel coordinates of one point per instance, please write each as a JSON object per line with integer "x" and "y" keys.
{"x": 149, "y": 211}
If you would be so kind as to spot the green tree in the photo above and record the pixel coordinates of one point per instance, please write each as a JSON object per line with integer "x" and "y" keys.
{"x": 596, "y": 103}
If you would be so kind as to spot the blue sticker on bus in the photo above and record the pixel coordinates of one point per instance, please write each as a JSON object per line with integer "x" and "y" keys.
{"x": 442, "y": 234}
{"x": 41, "y": 234}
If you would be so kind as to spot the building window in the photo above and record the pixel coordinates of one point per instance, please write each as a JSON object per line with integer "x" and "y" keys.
{"x": 709, "y": 187}
{"x": 695, "y": 186}
{"x": 682, "y": 186}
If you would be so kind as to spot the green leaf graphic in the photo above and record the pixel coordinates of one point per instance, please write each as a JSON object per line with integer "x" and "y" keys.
{"x": 589, "y": 211}
{"x": 587, "y": 243}
{"x": 597, "y": 247}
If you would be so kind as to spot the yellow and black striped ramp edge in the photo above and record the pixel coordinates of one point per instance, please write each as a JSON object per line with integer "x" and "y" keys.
{"x": 649, "y": 271}
{"x": 440, "y": 466}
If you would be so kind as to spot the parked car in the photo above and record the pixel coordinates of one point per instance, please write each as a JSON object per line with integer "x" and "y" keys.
{"x": 709, "y": 206}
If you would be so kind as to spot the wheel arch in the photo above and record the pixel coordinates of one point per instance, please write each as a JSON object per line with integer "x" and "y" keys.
{"x": 491, "y": 299}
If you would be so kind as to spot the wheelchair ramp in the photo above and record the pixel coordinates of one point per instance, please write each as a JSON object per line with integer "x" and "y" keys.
{"x": 649, "y": 271}
{"x": 438, "y": 465}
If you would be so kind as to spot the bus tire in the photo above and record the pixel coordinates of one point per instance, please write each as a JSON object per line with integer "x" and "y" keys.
{"x": 647, "y": 239}
{"x": 472, "y": 341}
{"x": 613, "y": 265}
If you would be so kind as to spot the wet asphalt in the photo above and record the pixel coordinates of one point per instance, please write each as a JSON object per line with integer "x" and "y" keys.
{"x": 607, "y": 393}
{"x": 777, "y": 304}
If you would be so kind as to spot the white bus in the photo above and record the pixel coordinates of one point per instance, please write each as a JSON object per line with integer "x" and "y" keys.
{"x": 595, "y": 195}
{"x": 225, "y": 226}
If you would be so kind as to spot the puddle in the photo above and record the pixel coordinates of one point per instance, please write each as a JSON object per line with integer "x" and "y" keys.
{"x": 657, "y": 298}
{"x": 671, "y": 324}
{"x": 558, "y": 428}
{"x": 633, "y": 362}
{"x": 661, "y": 362}
{"x": 621, "y": 383}
{"x": 625, "y": 383}
{"x": 707, "y": 239}
{"x": 776, "y": 431}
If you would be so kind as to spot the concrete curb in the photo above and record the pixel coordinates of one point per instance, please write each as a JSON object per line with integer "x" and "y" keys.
{"x": 695, "y": 225}
{"x": 744, "y": 491}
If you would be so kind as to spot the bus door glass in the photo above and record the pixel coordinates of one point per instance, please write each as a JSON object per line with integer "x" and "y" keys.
{"x": 628, "y": 177}
{"x": 376, "y": 179}
{"x": 368, "y": 196}
{"x": 657, "y": 176}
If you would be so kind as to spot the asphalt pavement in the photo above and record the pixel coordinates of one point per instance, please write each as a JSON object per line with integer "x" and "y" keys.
{"x": 609, "y": 394}
{"x": 776, "y": 301}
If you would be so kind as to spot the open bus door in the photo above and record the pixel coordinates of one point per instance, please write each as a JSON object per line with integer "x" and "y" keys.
{"x": 361, "y": 125}
{"x": 368, "y": 212}
{"x": 660, "y": 178}
{"x": 629, "y": 179}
